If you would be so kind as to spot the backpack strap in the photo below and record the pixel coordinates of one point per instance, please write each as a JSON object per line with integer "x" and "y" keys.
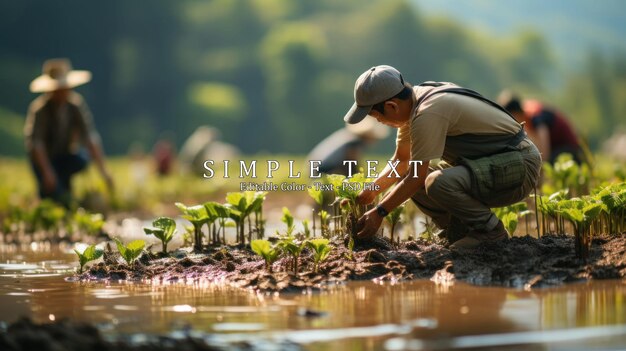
{"x": 457, "y": 90}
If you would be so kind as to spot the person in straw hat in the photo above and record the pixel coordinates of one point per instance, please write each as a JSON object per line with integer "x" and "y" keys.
{"x": 491, "y": 162}
{"x": 59, "y": 131}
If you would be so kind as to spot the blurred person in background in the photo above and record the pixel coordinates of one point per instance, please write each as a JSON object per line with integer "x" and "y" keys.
{"x": 549, "y": 129}
{"x": 59, "y": 131}
{"x": 347, "y": 143}
{"x": 164, "y": 154}
{"x": 202, "y": 145}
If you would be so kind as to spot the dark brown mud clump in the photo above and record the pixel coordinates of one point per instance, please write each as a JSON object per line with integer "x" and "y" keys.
{"x": 24, "y": 335}
{"x": 521, "y": 262}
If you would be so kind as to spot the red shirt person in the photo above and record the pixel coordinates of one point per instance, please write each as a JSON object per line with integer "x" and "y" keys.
{"x": 548, "y": 128}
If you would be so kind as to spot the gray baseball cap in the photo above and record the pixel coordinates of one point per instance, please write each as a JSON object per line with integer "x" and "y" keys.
{"x": 375, "y": 85}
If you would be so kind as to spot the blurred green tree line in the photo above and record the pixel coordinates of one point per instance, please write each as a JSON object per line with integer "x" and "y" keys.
{"x": 272, "y": 75}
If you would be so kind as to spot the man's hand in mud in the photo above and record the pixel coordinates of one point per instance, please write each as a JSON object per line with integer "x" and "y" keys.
{"x": 366, "y": 197}
{"x": 368, "y": 224}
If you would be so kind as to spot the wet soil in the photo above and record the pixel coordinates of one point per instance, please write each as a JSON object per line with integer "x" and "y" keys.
{"x": 24, "y": 335}
{"x": 520, "y": 262}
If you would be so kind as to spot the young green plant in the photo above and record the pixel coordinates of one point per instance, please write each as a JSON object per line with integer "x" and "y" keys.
{"x": 393, "y": 218}
{"x": 198, "y": 216}
{"x": 321, "y": 249}
{"x": 581, "y": 213}
{"x": 163, "y": 229}
{"x": 91, "y": 253}
{"x": 287, "y": 218}
{"x": 318, "y": 196}
{"x": 241, "y": 205}
{"x": 219, "y": 212}
{"x": 130, "y": 252}
{"x": 89, "y": 223}
{"x": 265, "y": 249}
{"x": 293, "y": 248}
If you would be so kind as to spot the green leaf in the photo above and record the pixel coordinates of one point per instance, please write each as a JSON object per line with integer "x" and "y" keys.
{"x": 130, "y": 252}
{"x": 510, "y": 221}
{"x": 91, "y": 253}
{"x": 164, "y": 229}
{"x": 120, "y": 247}
{"x": 394, "y": 216}
{"x": 316, "y": 194}
{"x": 136, "y": 245}
{"x": 320, "y": 247}
{"x": 264, "y": 249}
{"x": 261, "y": 247}
{"x": 573, "y": 215}
{"x": 195, "y": 214}
{"x": 591, "y": 211}
{"x": 216, "y": 210}
{"x": 287, "y": 218}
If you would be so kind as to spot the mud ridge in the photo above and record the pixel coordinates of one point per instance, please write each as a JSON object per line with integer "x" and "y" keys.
{"x": 520, "y": 262}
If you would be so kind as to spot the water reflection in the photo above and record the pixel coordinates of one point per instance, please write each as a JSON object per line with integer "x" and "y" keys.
{"x": 363, "y": 315}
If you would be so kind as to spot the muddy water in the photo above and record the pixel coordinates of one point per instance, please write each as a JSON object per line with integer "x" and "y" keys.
{"x": 415, "y": 315}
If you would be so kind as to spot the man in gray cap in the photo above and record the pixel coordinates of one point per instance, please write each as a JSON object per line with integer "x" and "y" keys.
{"x": 489, "y": 161}
{"x": 58, "y": 129}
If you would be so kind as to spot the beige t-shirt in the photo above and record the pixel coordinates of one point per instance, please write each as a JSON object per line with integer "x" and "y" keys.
{"x": 450, "y": 125}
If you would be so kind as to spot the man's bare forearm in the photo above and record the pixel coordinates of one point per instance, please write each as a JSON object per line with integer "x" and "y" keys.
{"x": 405, "y": 189}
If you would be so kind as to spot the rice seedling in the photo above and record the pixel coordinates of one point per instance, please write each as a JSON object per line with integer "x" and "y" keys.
{"x": 265, "y": 249}
{"x": 293, "y": 248}
{"x": 91, "y": 253}
{"x": 198, "y": 216}
{"x": 130, "y": 252}
{"x": 394, "y": 218}
{"x": 163, "y": 229}
{"x": 241, "y": 205}
{"x": 321, "y": 250}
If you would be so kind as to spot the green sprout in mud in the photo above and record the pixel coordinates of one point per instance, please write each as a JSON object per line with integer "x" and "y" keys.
{"x": 566, "y": 174}
{"x": 350, "y": 246}
{"x": 548, "y": 206}
{"x": 324, "y": 223}
{"x": 511, "y": 214}
{"x": 293, "y": 248}
{"x": 163, "y": 229}
{"x": 321, "y": 249}
{"x": 197, "y": 215}
{"x": 220, "y": 213}
{"x": 48, "y": 215}
{"x": 318, "y": 196}
{"x": 241, "y": 205}
{"x": 91, "y": 253}
{"x": 305, "y": 228}
{"x": 601, "y": 212}
{"x": 89, "y": 223}
{"x": 336, "y": 181}
{"x": 130, "y": 252}
{"x": 287, "y": 218}
{"x": 581, "y": 213}
{"x": 614, "y": 209}
{"x": 265, "y": 249}
{"x": 394, "y": 218}
{"x": 347, "y": 191}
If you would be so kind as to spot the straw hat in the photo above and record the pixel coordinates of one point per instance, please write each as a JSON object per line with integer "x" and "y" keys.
{"x": 369, "y": 127}
{"x": 58, "y": 74}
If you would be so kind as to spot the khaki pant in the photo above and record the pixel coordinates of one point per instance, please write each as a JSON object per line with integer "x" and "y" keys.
{"x": 449, "y": 198}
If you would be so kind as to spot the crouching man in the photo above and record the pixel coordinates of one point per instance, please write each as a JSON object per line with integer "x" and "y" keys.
{"x": 489, "y": 160}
